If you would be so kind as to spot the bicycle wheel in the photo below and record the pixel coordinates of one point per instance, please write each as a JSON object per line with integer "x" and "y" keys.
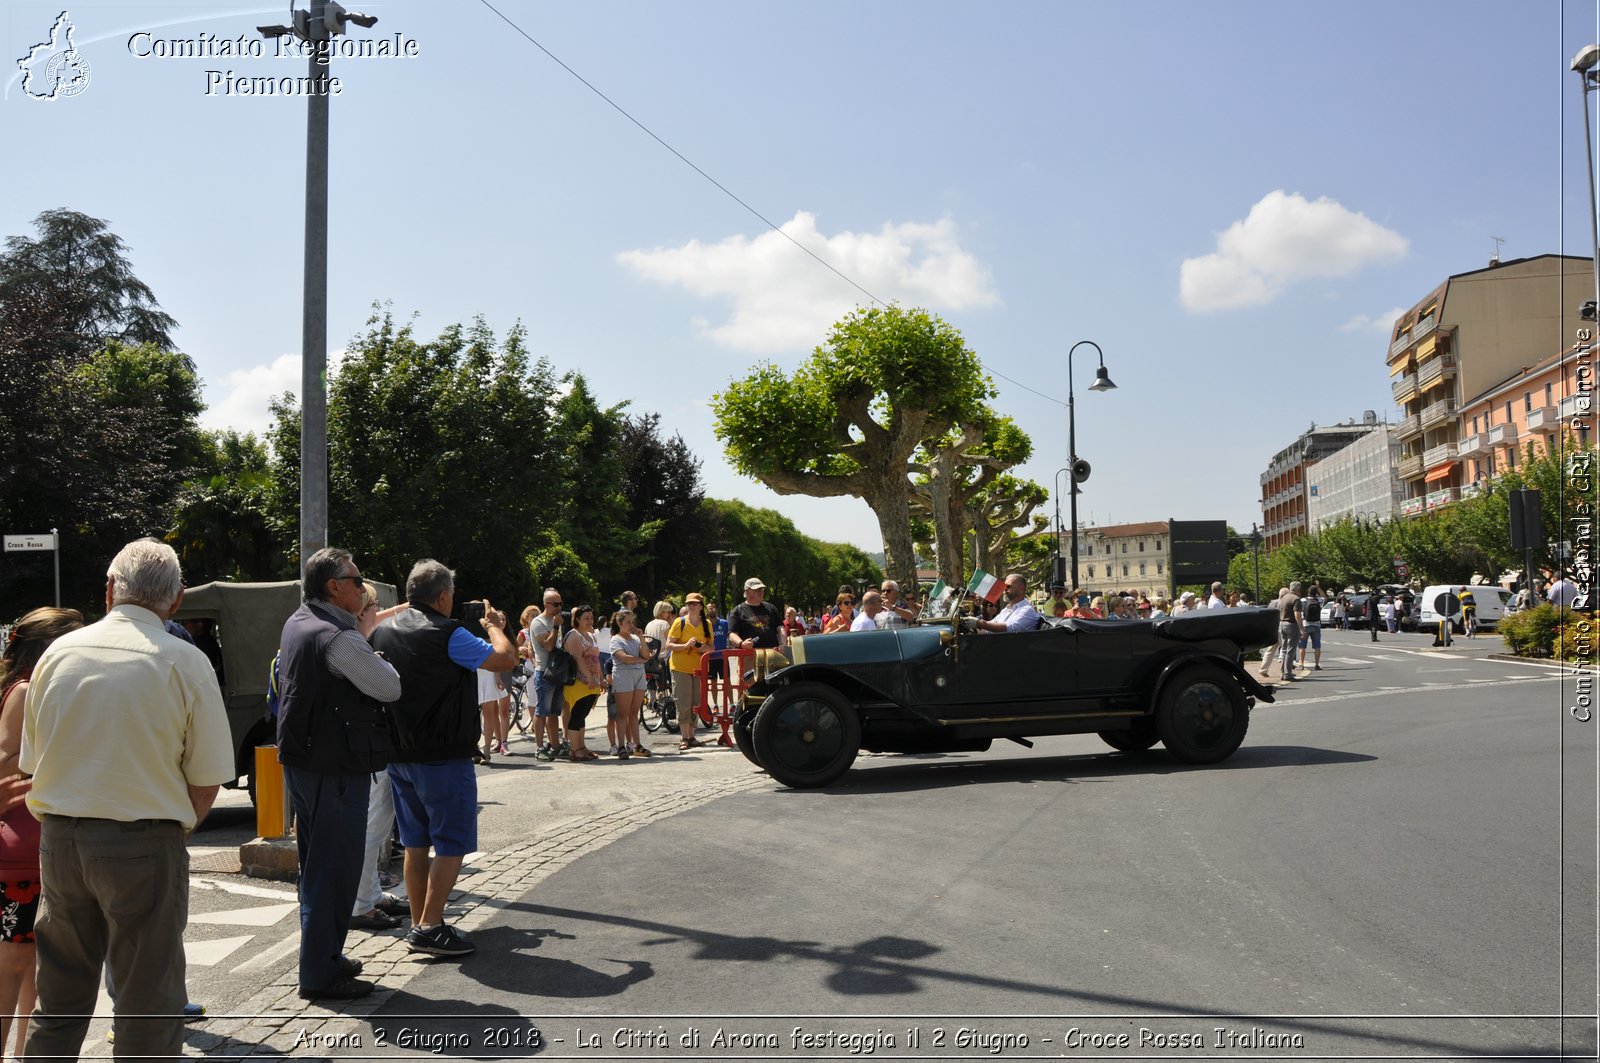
{"x": 650, "y": 711}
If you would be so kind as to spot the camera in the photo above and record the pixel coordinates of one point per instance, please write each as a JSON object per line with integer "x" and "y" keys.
{"x": 472, "y": 613}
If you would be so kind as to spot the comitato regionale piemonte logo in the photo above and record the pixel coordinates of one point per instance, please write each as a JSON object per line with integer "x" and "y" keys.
{"x": 54, "y": 68}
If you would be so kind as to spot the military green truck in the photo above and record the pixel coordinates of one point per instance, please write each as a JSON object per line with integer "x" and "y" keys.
{"x": 238, "y": 625}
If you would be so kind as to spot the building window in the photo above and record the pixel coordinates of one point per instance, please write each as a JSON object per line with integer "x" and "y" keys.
{"x": 1527, "y": 401}
{"x": 1508, "y": 411}
{"x": 1124, "y": 570}
{"x": 1474, "y": 426}
{"x": 1491, "y": 464}
{"x": 1091, "y": 572}
{"x": 1124, "y": 550}
{"x": 1511, "y": 457}
{"x": 1158, "y": 546}
{"x": 1141, "y": 568}
{"x": 1549, "y": 390}
{"x": 1141, "y": 546}
{"x": 1158, "y": 568}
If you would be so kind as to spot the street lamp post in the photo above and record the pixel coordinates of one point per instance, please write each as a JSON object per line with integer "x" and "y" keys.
{"x": 733, "y": 578}
{"x": 1255, "y": 545}
{"x": 1372, "y": 523}
{"x": 1056, "y": 571}
{"x": 1583, "y": 64}
{"x": 317, "y": 28}
{"x": 718, "y": 554}
{"x": 1102, "y": 382}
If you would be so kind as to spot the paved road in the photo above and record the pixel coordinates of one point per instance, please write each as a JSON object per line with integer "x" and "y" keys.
{"x": 1406, "y": 834}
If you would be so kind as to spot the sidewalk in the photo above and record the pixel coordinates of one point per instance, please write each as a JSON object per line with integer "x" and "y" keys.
{"x": 570, "y": 826}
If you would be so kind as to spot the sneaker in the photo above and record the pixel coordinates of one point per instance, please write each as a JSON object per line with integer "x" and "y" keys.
{"x": 622, "y": 752}
{"x": 544, "y": 753}
{"x": 503, "y": 750}
{"x": 614, "y": 750}
{"x": 564, "y": 751}
{"x": 193, "y": 1011}
{"x": 392, "y": 905}
{"x": 442, "y": 940}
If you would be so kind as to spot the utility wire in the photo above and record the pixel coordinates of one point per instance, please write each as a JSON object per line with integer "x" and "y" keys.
{"x": 723, "y": 188}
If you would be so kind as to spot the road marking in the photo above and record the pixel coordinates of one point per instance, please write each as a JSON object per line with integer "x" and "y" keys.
{"x": 261, "y": 915}
{"x": 211, "y": 953}
{"x": 270, "y": 957}
{"x": 240, "y": 888}
{"x": 1383, "y": 691}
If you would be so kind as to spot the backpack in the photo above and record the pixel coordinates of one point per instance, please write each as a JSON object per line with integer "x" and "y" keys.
{"x": 1313, "y": 610}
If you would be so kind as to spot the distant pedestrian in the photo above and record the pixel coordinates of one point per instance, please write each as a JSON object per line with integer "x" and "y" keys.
{"x": 1311, "y": 607}
{"x": 116, "y": 811}
{"x": 1216, "y": 601}
{"x": 688, "y": 640}
{"x": 1289, "y": 629}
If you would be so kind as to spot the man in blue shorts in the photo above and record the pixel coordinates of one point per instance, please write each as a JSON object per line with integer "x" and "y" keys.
{"x": 436, "y": 729}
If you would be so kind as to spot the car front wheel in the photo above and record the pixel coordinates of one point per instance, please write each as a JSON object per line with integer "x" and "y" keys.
{"x": 806, "y": 735}
{"x": 743, "y": 723}
{"x": 1201, "y": 715}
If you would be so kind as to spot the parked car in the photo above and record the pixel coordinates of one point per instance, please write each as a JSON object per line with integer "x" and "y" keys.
{"x": 943, "y": 686}
{"x": 1492, "y": 602}
{"x": 241, "y": 624}
{"x": 1406, "y": 609}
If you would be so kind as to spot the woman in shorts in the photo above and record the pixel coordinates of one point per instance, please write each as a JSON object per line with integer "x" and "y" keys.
{"x": 19, "y": 831}
{"x": 628, "y": 656}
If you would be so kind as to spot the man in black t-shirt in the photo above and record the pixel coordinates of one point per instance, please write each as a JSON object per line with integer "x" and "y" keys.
{"x": 757, "y": 623}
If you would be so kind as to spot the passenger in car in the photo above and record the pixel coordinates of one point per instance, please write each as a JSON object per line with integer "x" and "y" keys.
{"x": 1018, "y": 614}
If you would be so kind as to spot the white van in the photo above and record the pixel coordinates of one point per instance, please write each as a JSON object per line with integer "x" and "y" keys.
{"x": 1493, "y": 603}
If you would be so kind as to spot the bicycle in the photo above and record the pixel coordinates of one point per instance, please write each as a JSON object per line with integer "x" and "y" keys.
{"x": 659, "y": 711}
{"x": 518, "y": 689}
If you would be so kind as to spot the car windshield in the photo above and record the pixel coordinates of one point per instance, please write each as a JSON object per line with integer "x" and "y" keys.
{"x": 941, "y": 606}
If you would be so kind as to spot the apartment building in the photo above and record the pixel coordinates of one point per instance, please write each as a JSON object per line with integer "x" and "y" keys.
{"x": 1359, "y": 480}
{"x": 1527, "y": 410}
{"x": 1458, "y": 343}
{"x": 1284, "y": 495}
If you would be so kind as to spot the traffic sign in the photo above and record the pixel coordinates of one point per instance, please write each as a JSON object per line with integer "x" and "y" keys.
{"x": 15, "y": 543}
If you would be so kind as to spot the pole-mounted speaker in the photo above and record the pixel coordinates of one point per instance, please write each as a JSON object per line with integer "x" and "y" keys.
{"x": 1080, "y": 471}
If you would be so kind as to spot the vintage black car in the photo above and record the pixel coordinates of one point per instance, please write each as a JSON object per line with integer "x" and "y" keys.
{"x": 942, "y": 686}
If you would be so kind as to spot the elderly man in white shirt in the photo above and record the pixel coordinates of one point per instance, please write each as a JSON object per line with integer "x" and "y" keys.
{"x": 872, "y": 613}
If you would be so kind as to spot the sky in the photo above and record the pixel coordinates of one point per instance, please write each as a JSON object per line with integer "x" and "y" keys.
{"x": 1232, "y": 200}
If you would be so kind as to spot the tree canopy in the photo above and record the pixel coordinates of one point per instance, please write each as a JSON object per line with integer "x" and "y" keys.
{"x": 849, "y": 418}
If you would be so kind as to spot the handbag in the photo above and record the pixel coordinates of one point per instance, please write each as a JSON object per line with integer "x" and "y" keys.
{"x": 559, "y": 668}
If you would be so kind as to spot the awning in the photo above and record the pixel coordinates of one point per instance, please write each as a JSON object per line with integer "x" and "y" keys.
{"x": 1427, "y": 347}
{"x": 1441, "y": 472}
{"x": 1401, "y": 366}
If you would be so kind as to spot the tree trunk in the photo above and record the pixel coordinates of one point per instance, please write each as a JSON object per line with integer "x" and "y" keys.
{"x": 891, "y": 504}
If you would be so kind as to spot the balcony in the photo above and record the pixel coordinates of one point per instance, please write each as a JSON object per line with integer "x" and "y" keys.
{"x": 1543, "y": 421}
{"x": 1436, "y": 456}
{"x": 1404, "y": 387}
{"x": 1412, "y": 506}
{"x": 1421, "y": 329}
{"x": 1502, "y": 435}
{"x": 1400, "y": 343}
{"x": 1409, "y": 427}
{"x": 1411, "y": 468}
{"x": 1579, "y": 405}
{"x": 1437, "y": 413}
{"x": 1442, "y": 497}
{"x": 1473, "y": 444}
{"x": 1474, "y": 489}
{"x": 1436, "y": 371}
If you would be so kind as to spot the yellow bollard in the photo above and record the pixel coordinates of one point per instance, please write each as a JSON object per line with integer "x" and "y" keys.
{"x": 269, "y": 794}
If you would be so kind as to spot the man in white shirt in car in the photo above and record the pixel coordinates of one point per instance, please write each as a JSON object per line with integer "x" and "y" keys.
{"x": 1018, "y": 614}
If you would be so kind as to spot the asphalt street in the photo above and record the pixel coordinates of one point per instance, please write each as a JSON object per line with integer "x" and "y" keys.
{"x": 1400, "y": 861}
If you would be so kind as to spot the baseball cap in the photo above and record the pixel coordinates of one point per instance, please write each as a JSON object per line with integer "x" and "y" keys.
{"x": 694, "y": 596}
{"x": 753, "y": 584}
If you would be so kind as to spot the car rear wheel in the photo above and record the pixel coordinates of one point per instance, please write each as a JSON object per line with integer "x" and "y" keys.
{"x": 1136, "y": 739}
{"x": 806, "y": 735}
{"x": 1201, "y": 715}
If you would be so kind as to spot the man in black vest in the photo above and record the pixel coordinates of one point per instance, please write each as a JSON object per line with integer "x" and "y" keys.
{"x": 332, "y": 734}
{"x": 436, "y": 727}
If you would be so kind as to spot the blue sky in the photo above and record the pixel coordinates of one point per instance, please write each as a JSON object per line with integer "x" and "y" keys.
{"x": 1231, "y": 199}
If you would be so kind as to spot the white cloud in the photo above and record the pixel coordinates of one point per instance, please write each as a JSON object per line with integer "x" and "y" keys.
{"x": 784, "y": 300}
{"x": 1382, "y": 323}
{"x": 1284, "y": 239}
{"x": 248, "y": 391}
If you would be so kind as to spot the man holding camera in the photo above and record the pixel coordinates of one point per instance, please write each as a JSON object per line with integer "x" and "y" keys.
{"x": 688, "y": 639}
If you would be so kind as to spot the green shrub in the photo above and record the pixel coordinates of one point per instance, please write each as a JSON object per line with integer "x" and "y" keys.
{"x": 1577, "y": 637}
{"x": 1532, "y": 632}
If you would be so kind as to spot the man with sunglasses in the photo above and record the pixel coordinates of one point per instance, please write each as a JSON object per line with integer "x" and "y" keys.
{"x": 333, "y": 733}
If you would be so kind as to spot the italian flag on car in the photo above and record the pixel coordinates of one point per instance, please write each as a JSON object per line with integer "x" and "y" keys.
{"x": 986, "y": 586}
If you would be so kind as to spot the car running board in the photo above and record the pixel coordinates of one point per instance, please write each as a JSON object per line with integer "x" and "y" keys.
{"x": 1019, "y": 741}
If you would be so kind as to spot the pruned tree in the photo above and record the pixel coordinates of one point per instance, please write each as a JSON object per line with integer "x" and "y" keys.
{"x": 951, "y": 476}
{"x": 849, "y": 418}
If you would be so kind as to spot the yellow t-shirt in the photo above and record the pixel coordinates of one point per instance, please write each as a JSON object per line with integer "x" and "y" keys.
{"x": 689, "y": 660}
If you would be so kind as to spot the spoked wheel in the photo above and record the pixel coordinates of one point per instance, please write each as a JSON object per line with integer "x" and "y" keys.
{"x": 806, "y": 735}
{"x": 1136, "y": 739}
{"x": 1202, "y": 715}
{"x": 650, "y": 712}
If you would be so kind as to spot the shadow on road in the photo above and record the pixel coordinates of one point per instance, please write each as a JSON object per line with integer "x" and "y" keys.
{"x": 909, "y": 773}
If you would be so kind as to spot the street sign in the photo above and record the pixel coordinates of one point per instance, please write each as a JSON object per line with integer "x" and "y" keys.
{"x": 15, "y": 543}
{"x": 1400, "y": 569}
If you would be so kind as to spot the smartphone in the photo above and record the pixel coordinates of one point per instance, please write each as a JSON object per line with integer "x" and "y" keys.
{"x": 471, "y": 613}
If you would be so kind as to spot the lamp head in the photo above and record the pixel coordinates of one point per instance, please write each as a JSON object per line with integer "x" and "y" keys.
{"x": 1102, "y": 381}
{"x": 1586, "y": 59}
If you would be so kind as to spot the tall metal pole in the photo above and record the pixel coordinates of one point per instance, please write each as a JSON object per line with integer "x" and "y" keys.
{"x": 55, "y": 540}
{"x": 1584, "y": 77}
{"x": 314, "y": 325}
{"x": 1072, "y": 470}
